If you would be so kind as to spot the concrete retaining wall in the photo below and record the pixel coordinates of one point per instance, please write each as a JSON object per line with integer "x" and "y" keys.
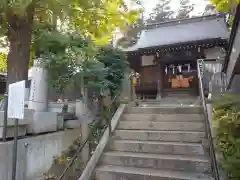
{"x": 35, "y": 154}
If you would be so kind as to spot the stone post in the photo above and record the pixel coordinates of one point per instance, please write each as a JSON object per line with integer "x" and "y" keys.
{"x": 81, "y": 111}
{"x": 210, "y": 116}
{"x": 39, "y": 88}
{"x": 126, "y": 89}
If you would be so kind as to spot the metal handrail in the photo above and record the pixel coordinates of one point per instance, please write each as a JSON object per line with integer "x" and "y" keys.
{"x": 208, "y": 131}
{"x": 74, "y": 157}
{"x": 90, "y": 134}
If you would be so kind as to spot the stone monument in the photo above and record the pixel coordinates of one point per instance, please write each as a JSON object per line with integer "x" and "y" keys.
{"x": 43, "y": 121}
{"x": 38, "y": 88}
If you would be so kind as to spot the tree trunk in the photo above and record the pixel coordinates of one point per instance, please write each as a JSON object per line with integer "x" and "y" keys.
{"x": 19, "y": 35}
{"x": 18, "y": 56}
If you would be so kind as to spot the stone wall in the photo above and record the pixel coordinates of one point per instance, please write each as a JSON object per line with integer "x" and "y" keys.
{"x": 235, "y": 86}
{"x": 35, "y": 154}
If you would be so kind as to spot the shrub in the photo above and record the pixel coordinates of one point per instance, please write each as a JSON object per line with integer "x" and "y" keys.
{"x": 226, "y": 120}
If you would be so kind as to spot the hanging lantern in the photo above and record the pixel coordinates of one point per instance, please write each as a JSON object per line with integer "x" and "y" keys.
{"x": 134, "y": 80}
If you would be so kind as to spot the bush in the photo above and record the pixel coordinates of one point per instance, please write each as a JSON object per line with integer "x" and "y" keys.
{"x": 226, "y": 120}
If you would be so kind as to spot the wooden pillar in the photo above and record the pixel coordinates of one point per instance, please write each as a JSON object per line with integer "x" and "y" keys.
{"x": 160, "y": 77}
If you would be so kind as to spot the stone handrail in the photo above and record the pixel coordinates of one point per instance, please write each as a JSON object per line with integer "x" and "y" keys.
{"x": 89, "y": 169}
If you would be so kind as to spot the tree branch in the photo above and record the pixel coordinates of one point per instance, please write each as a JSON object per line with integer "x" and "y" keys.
{"x": 1, "y": 20}
{"x": 31, "y": 10}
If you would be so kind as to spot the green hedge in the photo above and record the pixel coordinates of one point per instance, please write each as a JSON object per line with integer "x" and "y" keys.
{"x": 226, "y": 120}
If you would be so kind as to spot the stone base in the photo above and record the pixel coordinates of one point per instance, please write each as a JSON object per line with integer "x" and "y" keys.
{"x": 43, "y": 122}
{"x": 57, "y": 107}
{"x": 71, "y": 124}
{"x": 35, "y": 154}
{"x": 159, "y": 97}
{"x": 60, "y": 121}
{"x": 22, "y": 130}
{"x": 28, "y": 114}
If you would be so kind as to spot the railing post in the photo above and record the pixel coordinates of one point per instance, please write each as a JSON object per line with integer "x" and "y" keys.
{"x": 5, "y": 117}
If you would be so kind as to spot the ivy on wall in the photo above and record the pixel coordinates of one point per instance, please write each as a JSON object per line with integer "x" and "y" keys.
{"x": 226, "y": 116}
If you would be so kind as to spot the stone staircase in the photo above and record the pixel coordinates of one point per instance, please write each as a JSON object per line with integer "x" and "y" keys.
{"x": 180, "y": 92}
{"x": 157, "y": 143}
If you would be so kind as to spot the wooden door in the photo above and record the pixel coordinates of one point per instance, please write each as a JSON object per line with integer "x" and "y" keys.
{"x": 149, "y": 77}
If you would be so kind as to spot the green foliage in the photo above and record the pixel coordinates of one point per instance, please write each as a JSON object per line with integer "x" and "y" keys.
{"x": 115, "y": 61}
{"x": 161, "y": 12}
{"x": 132, "y": 34}
{"x": 3, "y": 61}
{"x": 19, "y": 19}
{"x": 75, "y": 61}
{"x": 3, "y": 54}
{"x": 225, "y": 6}
{"x": 227, "y": 127}
{"x": 96, "y": 129}
{"x": 95, "y": 18}
{"x": 69, "y": 60}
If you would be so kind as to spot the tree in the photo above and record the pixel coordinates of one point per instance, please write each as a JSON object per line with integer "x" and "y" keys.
{"x": 18, "y": 19}
{"x": 161, "y": 12}
{"x": 225, "y": 6}
{"x": 131, "y": 35}
{"x": 209, "y": 9}
{"x": 69, "y": 59}
{"x": 3, "y": 54}
{"x": 185, "y": 9}
{"x": 74, "y": 60}
{"x": 115, "y": 61}
{"x": 3, "y": 61}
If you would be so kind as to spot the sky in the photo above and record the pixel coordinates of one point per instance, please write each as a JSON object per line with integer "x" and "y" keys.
{"x": 199, "y": 5}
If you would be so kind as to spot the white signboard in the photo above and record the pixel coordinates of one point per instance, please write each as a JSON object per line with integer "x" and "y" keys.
{"x": 16, "y": 92}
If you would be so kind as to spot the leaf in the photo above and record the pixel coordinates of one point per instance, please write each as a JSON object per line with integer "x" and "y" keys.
{"x": 227, "y": 127}
{"x": 3, "y": 61}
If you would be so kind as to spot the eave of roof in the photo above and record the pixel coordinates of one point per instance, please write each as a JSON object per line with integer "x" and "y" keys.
{"x": 181, "y": 31}
{"x": 232, "y": 37}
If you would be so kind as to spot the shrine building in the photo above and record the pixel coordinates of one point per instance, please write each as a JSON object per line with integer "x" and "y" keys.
{"x": 163, "y": 47}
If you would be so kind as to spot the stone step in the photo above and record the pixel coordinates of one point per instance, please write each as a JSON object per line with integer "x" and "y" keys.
{"x": 157, "y": 147}
{"x": 179, "y": 94}
{"x": 157, "y": 161}
{"x": 171, "y": 99}
{"x": 168, "y": 126}
{"x": 170, "y": 109}
{"x": 187, "y": 93}
{"x": 108, "y": 172}
{"x": 147, "y": 135}
{"x": 179, "y": 90}
{"x": 163, "y": 117}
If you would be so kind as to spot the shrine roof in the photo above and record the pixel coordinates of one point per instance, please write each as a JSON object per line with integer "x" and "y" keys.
{"x": 182, "y": 31}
